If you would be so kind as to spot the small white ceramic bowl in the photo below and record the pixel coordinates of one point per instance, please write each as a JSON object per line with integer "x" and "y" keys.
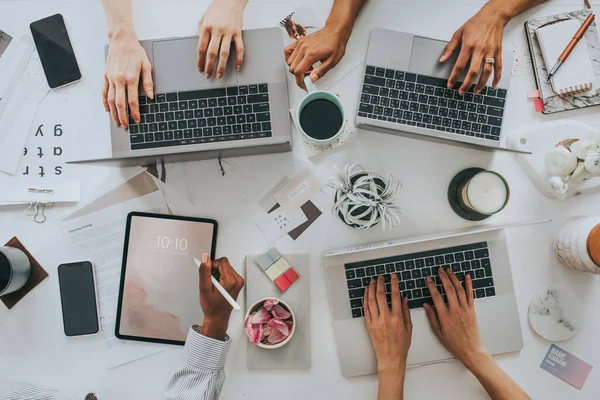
{"x": 285, "y": 305}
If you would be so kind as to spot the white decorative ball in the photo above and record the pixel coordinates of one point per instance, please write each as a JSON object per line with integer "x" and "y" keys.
{"x": 592, "y": 163}
{"x": 560, "y": 161}
{"x": 558, "y": 186}
{"x": 583, "y": 147}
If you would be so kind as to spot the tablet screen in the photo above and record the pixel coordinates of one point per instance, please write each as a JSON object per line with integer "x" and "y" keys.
{"x": 160, "y": 295}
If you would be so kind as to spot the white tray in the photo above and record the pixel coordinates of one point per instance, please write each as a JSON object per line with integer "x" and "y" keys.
{"x": 538, "y": 139}
{"x": 295, "y": 354}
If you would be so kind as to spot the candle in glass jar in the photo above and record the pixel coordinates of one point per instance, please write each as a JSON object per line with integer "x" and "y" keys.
{"x": 485, "y": 193}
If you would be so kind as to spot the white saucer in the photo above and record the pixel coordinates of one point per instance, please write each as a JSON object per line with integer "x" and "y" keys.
{"x": 555, "y": 314}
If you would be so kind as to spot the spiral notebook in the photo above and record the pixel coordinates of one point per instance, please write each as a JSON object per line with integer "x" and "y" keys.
{"x": 577, "y": 83}
{"x": 576, "y": 75}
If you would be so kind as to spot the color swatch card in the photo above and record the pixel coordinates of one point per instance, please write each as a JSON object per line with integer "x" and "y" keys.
{"x": 277, "y": 268}
{"x": 566, "y": 366}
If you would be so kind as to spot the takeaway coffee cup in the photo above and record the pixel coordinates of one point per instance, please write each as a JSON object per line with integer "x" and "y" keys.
{"x": 320, "y": 116}
{"x": 14, "y": 270}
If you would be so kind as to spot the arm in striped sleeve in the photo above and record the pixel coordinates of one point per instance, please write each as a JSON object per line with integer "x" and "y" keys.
{"x": 25, "y": 391}
{"x": 202, "y": 375}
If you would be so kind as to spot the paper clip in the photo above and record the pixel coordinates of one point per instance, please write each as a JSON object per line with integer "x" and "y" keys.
{"x": 37, "y": 209}
{"x": 41, "y": 218}
{"x": 32, "y": 210}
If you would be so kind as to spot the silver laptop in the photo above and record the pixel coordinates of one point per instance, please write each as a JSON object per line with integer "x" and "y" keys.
{"x": 404, "y": 92}
{"x": 479, "y": 251}
{"x": 191, "y": 117}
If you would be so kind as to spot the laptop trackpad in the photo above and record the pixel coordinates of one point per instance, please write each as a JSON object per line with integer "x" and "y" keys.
{"x": 425, "y": 58}
{"x": 176, "y": 68}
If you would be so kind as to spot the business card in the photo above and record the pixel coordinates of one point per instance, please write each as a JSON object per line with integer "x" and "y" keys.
{"x": 297, "y": 191}
{"x": 5, "y": 39}
{"x": 566, "y": 366}
{"x": 268, "y": 202}
{"x": 280, "y": 223}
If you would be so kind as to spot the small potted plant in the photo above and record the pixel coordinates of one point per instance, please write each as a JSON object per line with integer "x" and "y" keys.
{"x": 364, "y": 199}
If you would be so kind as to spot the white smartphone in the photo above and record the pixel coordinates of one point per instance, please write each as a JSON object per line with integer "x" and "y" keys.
{"x": 55, "y": 50}
{"x": 78, "y": 298}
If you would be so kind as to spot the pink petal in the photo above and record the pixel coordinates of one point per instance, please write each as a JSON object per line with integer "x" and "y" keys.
{"x": 280, "y": 312}
{"x": 276, "y": 337}
{"x": 258, "y": 331}
{"x": 260, "y": 317}
{"x": 289, "y": 324}
{"x": 278, "y": 325}
{"x": 269, "y": 303}
{"x": 254, "y": 332}
{"x": 267, "y": 331}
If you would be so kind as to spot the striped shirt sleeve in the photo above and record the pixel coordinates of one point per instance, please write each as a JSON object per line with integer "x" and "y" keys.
{"x": 24, "y": 391}
{"x": 202, "y": 375}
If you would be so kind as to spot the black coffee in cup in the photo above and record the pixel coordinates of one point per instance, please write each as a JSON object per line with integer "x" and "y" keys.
{"x": 5, "y": 271}
{"x": 15, "y": 269}
{"x": 321, "y": 119}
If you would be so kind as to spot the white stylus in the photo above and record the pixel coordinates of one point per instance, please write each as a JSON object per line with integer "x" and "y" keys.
{"x": 221, "y": 289}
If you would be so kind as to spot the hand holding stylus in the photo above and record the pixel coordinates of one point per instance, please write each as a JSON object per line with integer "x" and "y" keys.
{"x": 215, "y": 306}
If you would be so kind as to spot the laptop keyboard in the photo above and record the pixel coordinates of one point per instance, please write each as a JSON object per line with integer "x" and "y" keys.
{"x": 406, "y": 98}
{"x": 202, "y": 116}
{"x": 412, "y": 269}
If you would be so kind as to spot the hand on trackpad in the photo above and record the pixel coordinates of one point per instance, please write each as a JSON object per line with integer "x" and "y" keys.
{"x": 425, "y": 58}
{"x": 183, "y": 74}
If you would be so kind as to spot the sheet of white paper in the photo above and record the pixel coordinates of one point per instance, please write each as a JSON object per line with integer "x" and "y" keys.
{"x": 99, "y": 237}
{"x": 42, "y": 163}
{"x": 12, "y": 64}
{"x": 15, "y": 123}
{"x": 177, "y": 203}
{"x": 517, "y": 43}
{"x": 279, "y": 223}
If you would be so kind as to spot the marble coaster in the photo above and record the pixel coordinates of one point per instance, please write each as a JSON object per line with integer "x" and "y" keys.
{"x": 555, "y": 314}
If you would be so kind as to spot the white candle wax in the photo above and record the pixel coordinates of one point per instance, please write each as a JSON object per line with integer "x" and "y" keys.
{"x": 487, "y": 193}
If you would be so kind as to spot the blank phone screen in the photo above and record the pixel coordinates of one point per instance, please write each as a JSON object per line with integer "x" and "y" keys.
{"x": 78, "y": 298}
{"x": 55, "y": 50}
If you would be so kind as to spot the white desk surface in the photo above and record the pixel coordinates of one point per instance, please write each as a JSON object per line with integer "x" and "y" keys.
{"x": 32, "y": 345}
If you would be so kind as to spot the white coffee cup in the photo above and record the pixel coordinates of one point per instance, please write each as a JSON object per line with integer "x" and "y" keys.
{"x": 315, "y": 94}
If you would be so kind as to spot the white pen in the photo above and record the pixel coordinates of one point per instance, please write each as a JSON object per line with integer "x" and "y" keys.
{"x": 221, "y": 289}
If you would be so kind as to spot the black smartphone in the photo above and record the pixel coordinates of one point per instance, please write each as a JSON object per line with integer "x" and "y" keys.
{"x": 55, "y": 50}
{"x": 78, "y": 299}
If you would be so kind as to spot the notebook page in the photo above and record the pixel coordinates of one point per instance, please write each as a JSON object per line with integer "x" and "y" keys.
{"x": 577, "y": 69}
